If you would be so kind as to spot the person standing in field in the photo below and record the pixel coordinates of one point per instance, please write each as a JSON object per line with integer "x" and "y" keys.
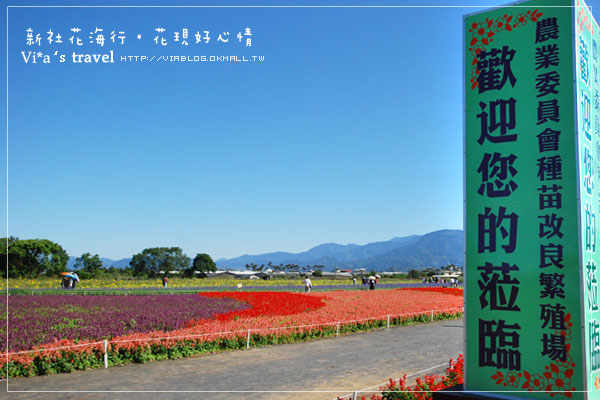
{"x": 165, "y": 281}
{"x": 307, "y": 285}
{"x": 354, "y": 281}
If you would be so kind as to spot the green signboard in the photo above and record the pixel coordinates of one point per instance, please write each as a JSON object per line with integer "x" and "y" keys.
{"x": 587, "y": 40}
{"x": 532, "y": 193}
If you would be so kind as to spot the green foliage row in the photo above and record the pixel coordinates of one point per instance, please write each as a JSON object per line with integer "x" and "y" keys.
{"x": 34, "y": 257}
{"x": 69, "y": 361}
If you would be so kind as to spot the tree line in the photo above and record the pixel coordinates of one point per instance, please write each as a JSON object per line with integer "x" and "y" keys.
{"x": 282, "y": 267}
{"x": 32, "y": 258}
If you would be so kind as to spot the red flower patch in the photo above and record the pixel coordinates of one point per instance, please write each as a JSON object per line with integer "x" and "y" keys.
{"x": 268, "y": 303}
{"x": 444, "y": 290}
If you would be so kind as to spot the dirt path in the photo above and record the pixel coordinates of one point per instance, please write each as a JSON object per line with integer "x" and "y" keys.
{"x": 335, "y": 366}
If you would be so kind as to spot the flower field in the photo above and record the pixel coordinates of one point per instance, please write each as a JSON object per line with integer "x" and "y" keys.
{"x": 36, "y": 320}
{"x": 222, "y": 320}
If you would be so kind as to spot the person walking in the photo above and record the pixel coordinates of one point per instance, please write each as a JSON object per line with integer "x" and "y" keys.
{"x": 354, "y": 281}
{"x": 165, "y": 281}
{"x": 371, "y": 284}
{"x": 307, "y": 285}
{"x": 75, "y": 280}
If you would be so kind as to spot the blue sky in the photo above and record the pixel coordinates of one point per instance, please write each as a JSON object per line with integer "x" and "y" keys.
{"x": 350, "y": 131}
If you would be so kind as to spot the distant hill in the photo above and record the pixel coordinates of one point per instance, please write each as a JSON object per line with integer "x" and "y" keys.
{"x": 106, "y": 263}
{"x": 121, "y": 264}
{"x": 434, "y": 249}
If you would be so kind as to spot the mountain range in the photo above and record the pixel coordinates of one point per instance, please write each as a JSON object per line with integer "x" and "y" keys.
{"x": 434, "y": 249}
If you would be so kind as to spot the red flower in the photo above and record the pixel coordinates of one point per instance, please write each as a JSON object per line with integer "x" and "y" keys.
{"x": 559, "y": 381}
{"x": 534, "y": 382}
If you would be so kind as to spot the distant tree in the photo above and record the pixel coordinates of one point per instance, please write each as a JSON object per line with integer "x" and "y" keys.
{"x": 414, "y": 274}
{"x": 202, "y": 263}
{"x": 153, "y": 260}
{"x": 431, "y": 271}
{"x": 33, "y": 257}
{"x": 317, "y": 273}
{"x": 88, "y": 263}
{"x": 252, "y": 267}
{"x": 5, "y": 250}
{"x": 292, "y": 267}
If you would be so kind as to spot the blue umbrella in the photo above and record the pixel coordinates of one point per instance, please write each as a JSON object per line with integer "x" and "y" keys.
{"x": 72, "y": 276}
